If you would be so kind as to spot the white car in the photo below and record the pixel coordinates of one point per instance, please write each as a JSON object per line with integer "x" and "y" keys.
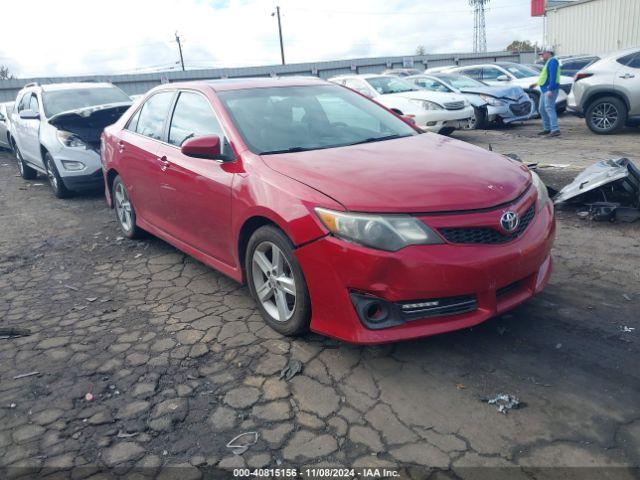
{"x": 5, "y": 124}
{"x": 433, "y": 111}
{"x": 506, "y": 73}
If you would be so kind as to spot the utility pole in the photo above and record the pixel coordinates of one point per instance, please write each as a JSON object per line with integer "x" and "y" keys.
{"x": 280, "y": 33}
{"x": 180, "y": 50}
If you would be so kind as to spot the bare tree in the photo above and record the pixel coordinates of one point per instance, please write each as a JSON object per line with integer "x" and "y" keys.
{"x": 4, "y": 73}
{"x": 420, "y": 50}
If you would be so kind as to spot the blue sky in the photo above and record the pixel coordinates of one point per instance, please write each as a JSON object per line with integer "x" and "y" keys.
{"x": 84, "y": 37}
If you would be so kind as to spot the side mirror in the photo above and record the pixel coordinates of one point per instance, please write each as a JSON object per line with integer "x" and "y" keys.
{"x": 29, "y": 115}
{"x": 503, "y": 78}
{"x": 207, "y": 146}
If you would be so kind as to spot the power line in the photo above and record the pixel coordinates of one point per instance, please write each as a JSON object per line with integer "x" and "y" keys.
{"x": 413, "y": 12}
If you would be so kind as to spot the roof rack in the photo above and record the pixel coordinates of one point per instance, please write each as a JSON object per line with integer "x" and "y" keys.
{"x": 32, "y": 84}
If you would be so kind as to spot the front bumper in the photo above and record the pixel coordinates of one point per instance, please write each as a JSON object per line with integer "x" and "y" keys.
{"x": 522, "y": 110}
{"x": 498, "y": 277}
{"x": 436, "y": 120}
{"x": 89, "y": 178}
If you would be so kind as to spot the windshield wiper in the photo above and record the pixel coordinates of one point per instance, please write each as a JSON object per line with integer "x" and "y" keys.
{"x": 379, "y": 139}
{"x": 288, "y": 150}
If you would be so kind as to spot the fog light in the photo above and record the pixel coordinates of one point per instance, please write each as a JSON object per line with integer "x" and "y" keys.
{"x": 72, "y": 165}
{"x": 431, "y": 124}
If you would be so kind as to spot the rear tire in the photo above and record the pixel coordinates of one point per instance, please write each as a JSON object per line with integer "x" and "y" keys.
{"x": 276, "y": 282}
{"x": 26, "y": 171}
{"x": 447, "y": 131}
{"x": 57, "y": 185}
{"x": 606, "y": 115}
{"x": 125, "y": 213}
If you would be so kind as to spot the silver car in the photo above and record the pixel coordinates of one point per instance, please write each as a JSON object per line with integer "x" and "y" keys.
{"x": 504, "y": 105}
{"x": 607, "y": 92}
{"x": 56, "y": 131}
{"x": 5, "y": 122}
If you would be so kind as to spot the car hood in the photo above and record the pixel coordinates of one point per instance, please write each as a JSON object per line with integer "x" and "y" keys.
{"x": 438, "y": 97}
{"x": 512, "y": 93}
{"x": 88, "y": 123}
{"x": 417, "y": 174}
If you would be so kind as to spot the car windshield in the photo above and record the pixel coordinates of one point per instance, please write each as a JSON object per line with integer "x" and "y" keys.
{"x": 58, "y": 101}
{"x": 431, "y": 84}
{"x": 386, "y": 85}
{"x": 280, "y": 120}
{"x": 520, "y": 71}
{"x": 461, "y": 81}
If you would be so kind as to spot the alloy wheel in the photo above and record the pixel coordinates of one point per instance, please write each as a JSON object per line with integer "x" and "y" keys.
{"x": 604, "y": 116}
{"x": 53, "y": 179}
{"x": 123, "y": 207}
{"x": 273, "y": 281}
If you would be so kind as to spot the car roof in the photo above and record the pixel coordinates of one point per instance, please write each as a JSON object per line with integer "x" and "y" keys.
{"x": 50, "y": 87}
{"x": 226, "y": 84}
{"x": 365, "y": 76}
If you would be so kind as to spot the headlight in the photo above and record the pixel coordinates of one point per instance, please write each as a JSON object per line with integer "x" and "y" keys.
{"x": 383, "y": 232}
{"x": 426, "y": 104}
{"x": 68, "y": 139}
{"x": 493, "y": 101}
{"x": 543, "y": 193}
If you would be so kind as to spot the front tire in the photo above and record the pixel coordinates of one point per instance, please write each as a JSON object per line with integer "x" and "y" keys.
{"x": 447, "y": 131}
{"x": 277, "y": 283}
{"x": 26, "y": 171}
{"x": 57, "y": 185}
{"x": 125, "y": 213}
{"x": 479, "y": 119}
{"x": 606, "y": 115}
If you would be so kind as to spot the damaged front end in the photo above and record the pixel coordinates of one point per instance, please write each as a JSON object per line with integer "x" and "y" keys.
{"x": 86, "y": 124}
{"x": 609, "y": 189}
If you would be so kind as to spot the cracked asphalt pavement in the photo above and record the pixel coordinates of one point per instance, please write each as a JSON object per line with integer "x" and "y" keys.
{"x": 177, "y": 360}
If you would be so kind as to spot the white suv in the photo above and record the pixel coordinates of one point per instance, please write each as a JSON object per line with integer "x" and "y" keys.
{"x": 56, "y": 130}
{"x": 433, "y": 111}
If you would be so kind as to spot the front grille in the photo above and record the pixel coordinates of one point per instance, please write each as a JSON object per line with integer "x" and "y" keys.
{"x": 520, "y": 109}
{"x": 566, "y": 88}
{"x": 486, "y": 235}
{"x": 439, "y": 307}
{"x": 454, "y": 105}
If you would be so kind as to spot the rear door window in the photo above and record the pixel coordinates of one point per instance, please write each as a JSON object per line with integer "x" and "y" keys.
{"x": 192, "y": 117}
{"x": 153, "y": 115}
{"x": 33, "y": 103}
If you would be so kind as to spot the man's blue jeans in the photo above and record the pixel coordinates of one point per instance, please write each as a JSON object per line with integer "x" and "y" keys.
{"x": 548, "y": 111}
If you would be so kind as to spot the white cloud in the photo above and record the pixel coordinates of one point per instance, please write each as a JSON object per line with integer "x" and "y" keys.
{"x": 75, "y": 37}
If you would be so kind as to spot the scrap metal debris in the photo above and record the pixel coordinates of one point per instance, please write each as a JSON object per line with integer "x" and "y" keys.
{"x": 626, "y": 329}
{"x": 239, "y": 447}
{"x": 609, "y": 190}
{"x": 25, "y": 375}
{"x": 12, "y": 332}
{"x": 505, "y": 402}
{"x": 291, "y": 369}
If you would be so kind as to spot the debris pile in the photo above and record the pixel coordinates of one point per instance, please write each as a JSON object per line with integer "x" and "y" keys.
{"x": 505, "y": 402}
{"x": 609, "y": 190}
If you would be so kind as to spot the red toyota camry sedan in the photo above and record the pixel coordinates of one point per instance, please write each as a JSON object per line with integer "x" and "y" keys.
{"x": 340, "y": 216}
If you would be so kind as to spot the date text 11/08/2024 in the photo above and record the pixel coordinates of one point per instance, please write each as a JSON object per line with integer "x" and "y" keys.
{"x": 316, "y": 473}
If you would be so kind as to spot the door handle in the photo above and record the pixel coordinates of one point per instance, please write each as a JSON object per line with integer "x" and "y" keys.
{"x": 164, "y": 163}
{"x": 120, "y": 146}
{"x": 627, "y": 75}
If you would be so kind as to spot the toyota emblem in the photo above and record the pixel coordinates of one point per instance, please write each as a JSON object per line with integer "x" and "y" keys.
{"x": 509, "y": 221}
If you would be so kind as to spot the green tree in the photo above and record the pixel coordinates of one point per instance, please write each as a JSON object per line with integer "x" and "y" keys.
{"x": 521, "y": 46}
{"x": 420, "y": 50}
{"x": 4, "y": 73}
